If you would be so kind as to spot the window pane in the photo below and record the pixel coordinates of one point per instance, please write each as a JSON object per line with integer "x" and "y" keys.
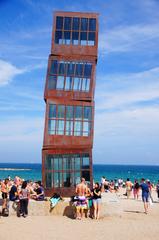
{"x": 51, "y": 127}
{"x": 58, "y": 37}
{"x": 52, "y": 111}
{"x": 48, "y": 162}
{"x": 92, "y": 24}
{"x": 57, "y": 179}
{"x": 77, "y": 162}
{"x": 60, "y": 163}
{"x": 86, "y": 128}
{"x": 70, "y": 69}
{"x": 67, "y": 37}
{"x": 67, "y": 23}
{"x": 52, "y": 82}
{"x": 56, "y": 164}
{"x": 75, "y": 37}
{"x": 83, "y": 38}
{"x": 69, "y": 128}
{"x": 91, "y": 38}
{"x": 77, "y": 128}
{"x": 87, "y": 113}
{"x": 77, "y": 84}
{"x": 69, "y": 112}
{"x": 84, "y": 24}
{"x": 59, "y": 23}
{"x": 75, "y": 25}
{"x": 87, "y": 70}
{"x": 68, "y": 83}
{"x": 79, "y": 69}
{"x": 67, "y": 163}
{"x": 61, "y": 111}
{"x": 60, "y": 82}
{"x": 77, "y": 178}
{"x": 85, "y": 84}
{"x": 85, "y": 161}
{"x": 60, "y": 127}
{"x": 61, "y": 68}
{"x": 67, "y": 179}
{"x": 54, "y": 65}
{"x": 48, "y": 180}
{"x": 78, "y": 112}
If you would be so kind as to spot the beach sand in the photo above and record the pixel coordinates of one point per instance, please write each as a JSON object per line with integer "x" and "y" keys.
{"x": 132, "y": 224}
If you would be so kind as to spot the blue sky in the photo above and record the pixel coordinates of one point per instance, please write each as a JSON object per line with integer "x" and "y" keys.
{"x": 127, "y": 81}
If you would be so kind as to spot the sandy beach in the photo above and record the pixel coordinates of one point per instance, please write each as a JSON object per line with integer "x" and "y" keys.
{"x": 133, "y": 223}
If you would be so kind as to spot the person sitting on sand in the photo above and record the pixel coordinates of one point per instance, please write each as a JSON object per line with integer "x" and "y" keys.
{"x": 145, "y": 194}
{"x": 38, "y": 192}
{"x": 81, "y": 191}
{"x": 96, "y": 200}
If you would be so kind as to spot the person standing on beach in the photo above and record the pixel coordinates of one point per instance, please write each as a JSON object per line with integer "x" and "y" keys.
{"x": 24, "y": 199}
{"x": 5, "y": 190}
{"x": 96, "y": 200}
{"x": 136, "y": 189}
{"x": 81, "y": 191}
{"x": 145, "y": 194}
{"x": 128, "y": 187}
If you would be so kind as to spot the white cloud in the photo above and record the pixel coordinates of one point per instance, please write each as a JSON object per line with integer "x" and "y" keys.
{"x": 8, "y": 72}
{"x": 128, "y": 38}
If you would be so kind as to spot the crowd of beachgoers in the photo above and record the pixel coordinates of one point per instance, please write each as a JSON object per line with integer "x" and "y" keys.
{"x": 88, "y": 200}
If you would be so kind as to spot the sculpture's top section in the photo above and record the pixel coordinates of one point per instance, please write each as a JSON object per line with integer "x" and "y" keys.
{"x": 75, "y": 33}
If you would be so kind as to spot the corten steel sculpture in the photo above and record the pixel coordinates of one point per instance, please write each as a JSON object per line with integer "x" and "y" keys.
{"x": 69, "y": 97}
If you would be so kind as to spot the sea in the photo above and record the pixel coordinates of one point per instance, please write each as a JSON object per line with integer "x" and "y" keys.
{"x": 30, "y": 171}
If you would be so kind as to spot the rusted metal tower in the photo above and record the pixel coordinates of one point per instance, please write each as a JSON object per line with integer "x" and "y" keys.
{"x": 69, "y": 97}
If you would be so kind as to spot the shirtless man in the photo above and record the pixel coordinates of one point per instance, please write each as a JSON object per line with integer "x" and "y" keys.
{"x": 81, "y": 191}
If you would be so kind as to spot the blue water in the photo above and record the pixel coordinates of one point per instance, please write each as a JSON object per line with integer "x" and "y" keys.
{"x": 33, "y": 171}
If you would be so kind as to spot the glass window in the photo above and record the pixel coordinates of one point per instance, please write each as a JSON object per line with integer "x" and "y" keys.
{"x": 60, "y": 82}
{"x": 61, "y": 68}
{"x": 51, "y": 127}
{"x": 85, "y": 161}
{"x": 84, "y": 24}
{"x": 56, "y": 163}
{"x": 85, "y": 84}
{"x": 70, "y": 69}
{"x": 75, "y": 25}
{"x": 57, "y": 179}
{"x": 87, "y": 70}
{"x": 67, "y": 37}
{"x": 77, "y": 162}
{"x": 67, "y": 23}
{"x": 54, "y": 65}
{"x": 77, "y": 178}
{"x": 77, "y": 84}
{"x": 69, "y": 128}
{"x": 58, "y": 37}
{"x": 67, "y": 179}
{"x": 91, "y": 38}
{"x": 83, "y": 38}
{"x": 75, "y": 37}
{"x": 77, "y": 128}
{"x": 48, "y": 178}
{"x": 60, "y": 127}
{"x": 61, "y": 111}
{"x": 68, "y": 83}
{"x": 48, "y": 162}
{"x": 79, "y": 69}
{"x": 69, "y": 112}
{"x": 52, "y": 82}
{"x": 52, "y": 111}
{"x": 88, "y": 113}
{"x": 92, "y": 24}
{"x": 67, "y": 163}
{"x": 59, "y": 23}
{"x": 78, "y": 112}
{"x": 86, "y": 128}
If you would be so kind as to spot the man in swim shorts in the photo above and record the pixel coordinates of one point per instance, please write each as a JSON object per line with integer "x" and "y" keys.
{"x": 145, "y": 194}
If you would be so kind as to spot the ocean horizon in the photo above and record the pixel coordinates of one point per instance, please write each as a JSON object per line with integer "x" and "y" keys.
{"x": 32, "y": 171}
